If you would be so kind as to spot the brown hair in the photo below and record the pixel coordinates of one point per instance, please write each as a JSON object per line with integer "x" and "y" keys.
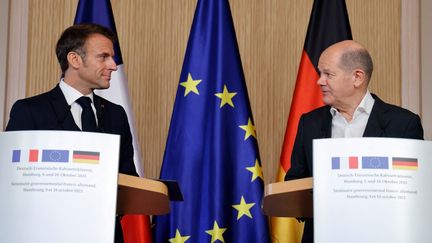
{"x": 74, "y": 38}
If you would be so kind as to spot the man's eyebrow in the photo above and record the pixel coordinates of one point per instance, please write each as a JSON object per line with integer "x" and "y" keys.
{"x": 104, "y": 53}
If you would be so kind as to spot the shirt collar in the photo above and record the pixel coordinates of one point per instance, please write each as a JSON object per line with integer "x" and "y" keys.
{"x": 70, "y": 93}
{"x": 365, "y": 105}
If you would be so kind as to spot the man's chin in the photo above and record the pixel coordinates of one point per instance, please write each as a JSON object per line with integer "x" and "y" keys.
{"x": 104, "y": 85}
{"x": 327, "y": 101}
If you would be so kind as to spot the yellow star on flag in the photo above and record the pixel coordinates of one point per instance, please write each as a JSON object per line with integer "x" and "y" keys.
{"x": 216, "y": 232}
{"x": 256, "y": 171}
{"x": 226, "y": 97}
{"x": 179, "y": 238}
{"x": 190, "y": 85}
{"x": 249, "y": 128}
{"x": 243, "y": 208}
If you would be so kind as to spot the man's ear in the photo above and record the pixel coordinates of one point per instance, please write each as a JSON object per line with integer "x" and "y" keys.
{"x": 74, "y": 60}
{"x": 359, "y": 78}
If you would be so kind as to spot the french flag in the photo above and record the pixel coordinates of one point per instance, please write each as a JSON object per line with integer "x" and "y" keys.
{"x": 344, "y": 163}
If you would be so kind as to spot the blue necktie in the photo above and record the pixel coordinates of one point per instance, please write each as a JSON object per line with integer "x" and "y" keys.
{"x": 88, "y": 120}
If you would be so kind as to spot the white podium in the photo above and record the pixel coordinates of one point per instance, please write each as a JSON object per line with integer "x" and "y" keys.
{"x": 62, "y": 186}
{"x": 364, "y": 190}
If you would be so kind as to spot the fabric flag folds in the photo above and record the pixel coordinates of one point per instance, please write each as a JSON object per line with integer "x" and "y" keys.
{"x": 136, "y": 228}
{"x": 212, "y": 150}
{"x": 328, "y": 24}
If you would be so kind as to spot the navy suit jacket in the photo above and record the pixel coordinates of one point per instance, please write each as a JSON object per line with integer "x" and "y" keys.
{"x": 50, "y": 111}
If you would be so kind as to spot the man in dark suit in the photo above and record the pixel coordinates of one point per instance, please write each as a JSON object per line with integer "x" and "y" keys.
{"x": 350, "y": 110}
{"x": 85, "y": 53}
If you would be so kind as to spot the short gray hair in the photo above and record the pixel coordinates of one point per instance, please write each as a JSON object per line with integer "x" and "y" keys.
{"x": 357, "y": 58}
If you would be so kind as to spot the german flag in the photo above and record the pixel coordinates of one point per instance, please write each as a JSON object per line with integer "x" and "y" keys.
{"x": 86, "y": 157}
{"x": 404, "y": 163}
{"x": 328, "y": 24}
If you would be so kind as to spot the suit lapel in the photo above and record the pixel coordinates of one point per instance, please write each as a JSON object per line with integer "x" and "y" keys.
{"x": 326, "y": 123}
{"x": 377, "y": 122}
{"x": 62, "y": 111}
{"x": 100, "y": 107}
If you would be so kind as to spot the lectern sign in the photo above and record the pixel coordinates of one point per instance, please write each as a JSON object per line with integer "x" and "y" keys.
{"x": 58, "y": 186}
{"x": 372, "y": 190}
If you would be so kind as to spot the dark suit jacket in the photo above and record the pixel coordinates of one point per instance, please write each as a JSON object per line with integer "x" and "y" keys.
{"x": 50, "y": 111}
{"x": 385, "y": 120}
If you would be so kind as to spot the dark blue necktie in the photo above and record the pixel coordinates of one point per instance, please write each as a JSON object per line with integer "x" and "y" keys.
{"x": 88, "y": 120}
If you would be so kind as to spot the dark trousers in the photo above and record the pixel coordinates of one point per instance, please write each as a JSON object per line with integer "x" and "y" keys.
{"x": 118, "y": 234}
{"x": 308, "y": 236}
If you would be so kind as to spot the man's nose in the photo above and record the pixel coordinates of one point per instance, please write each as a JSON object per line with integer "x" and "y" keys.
{"x": 112, "y": 65}
{"x": 320, "y": 81}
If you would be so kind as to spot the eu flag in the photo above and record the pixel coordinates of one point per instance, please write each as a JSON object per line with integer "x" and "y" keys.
{"x": 375, "y": 162}
{"x": 49, "y": 155}
{"x": 212, "y": 150}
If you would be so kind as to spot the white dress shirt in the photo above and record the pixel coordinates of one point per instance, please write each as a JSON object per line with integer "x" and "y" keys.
{"x": 71, "y": 96}
{"x": 341, "y": 128}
